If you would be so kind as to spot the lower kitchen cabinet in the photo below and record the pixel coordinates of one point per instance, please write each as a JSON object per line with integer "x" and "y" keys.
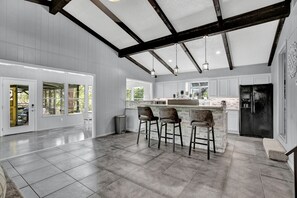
{"x": 233, "y": 121}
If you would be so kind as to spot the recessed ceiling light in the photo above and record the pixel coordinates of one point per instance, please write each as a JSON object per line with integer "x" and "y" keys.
{"x": 170, "y": 61}
{"x": 114, "y": 0}
{"x": 218, "y": 52}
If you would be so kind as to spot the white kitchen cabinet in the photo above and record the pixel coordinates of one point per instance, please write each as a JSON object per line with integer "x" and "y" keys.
{"x": 223, "y": 87}
{"x": 169, "y": 89}
{"x": 233, "y": 121}
{"x": 255, "y": 79}
{"x": 181, "y": 86}
{"x": 159, "y": 90}
{"x": 233, "y": 87}
{"x": 213, "y": 88}
{"x": 246, "y": 80}
{"x": 262, "y": 79}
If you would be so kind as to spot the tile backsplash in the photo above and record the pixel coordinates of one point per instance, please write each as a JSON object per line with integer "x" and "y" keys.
{"x": 231, "y": 103}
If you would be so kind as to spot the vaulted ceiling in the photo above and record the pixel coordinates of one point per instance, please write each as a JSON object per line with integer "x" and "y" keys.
{"x": 239, "y": 33}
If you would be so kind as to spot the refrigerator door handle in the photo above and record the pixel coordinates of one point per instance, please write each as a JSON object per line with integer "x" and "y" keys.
{"x": 252, "y": 105}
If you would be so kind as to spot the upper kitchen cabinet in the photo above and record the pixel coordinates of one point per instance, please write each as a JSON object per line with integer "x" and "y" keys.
{"x": 223, "y": 87}
{"x": 169, "y": 89}
{"x": 213, "y": 88}
{"x": 233, "y": 87}
{"x": 255, "y": 79}
{"x": 262, "y": 79}
{"x": 228, "y": 87}
{"x": 159, "y": 90}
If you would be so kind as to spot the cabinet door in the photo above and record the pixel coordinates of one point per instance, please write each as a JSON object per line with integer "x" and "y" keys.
{"x": 233, "y": 87}
{"x": 223, "y": 87}
{"x": 213, "y": 88}
{"x": 261, "y": 79}
{"x": 159, "y": 90}
{"x": 233, "y": 122}
{"x": 169, "y": 89}
{"x": 246, "y": 80}
{"x": 181, "y": 87}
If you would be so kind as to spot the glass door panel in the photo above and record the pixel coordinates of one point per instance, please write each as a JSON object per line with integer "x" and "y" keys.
{"x": 19, "y": 105}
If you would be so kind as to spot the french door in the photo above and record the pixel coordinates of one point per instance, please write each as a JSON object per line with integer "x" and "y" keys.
{"x": 19, "y": 107}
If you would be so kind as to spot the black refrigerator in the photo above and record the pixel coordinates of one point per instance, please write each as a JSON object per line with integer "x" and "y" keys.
{"x": 256, "y": 110}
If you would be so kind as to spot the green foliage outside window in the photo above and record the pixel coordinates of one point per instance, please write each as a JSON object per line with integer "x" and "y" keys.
{"x": 138, "y": 93}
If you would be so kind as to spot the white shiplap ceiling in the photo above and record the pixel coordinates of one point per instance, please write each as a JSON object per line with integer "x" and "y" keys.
{"x": 248, "y": 46}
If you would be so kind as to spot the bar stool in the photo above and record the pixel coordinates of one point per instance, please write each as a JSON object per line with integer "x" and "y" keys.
{"x": 203, "y": 119}
{"x": 146, "y": 115}
{"x": 170, "y": 116}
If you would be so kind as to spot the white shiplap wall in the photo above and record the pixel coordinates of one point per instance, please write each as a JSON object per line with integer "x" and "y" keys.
{"x": 28, "y": 33}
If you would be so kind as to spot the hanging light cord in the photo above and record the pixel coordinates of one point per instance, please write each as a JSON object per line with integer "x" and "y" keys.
{"x": 153, "y": 63}
{"x": 176, "y": 54}
{"x": 205, "y": 50}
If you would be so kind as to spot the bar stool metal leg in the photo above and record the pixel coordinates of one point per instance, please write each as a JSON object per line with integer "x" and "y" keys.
{"x": 139, "y": 132}
{"x": 208, "y": 152}
{"x": 146, "y": 130}
{"x": 160, "y": 136}
{"x": 149, "y": 135}
{"x": 173, "y": 137}
{"x": 166, "y": 133}
{"x": 213, "y": 140}
{"x": 195, "y": 129}
{"x": 157, "y": 123}
{"x": 191, "y": 140}
{"x": 181, "y": 136}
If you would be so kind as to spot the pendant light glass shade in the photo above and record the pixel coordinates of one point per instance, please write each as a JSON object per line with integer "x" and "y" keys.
{"x": 176, "y": 67}
{"x": 205, "y": 65}
{"x": 153, "y": 73}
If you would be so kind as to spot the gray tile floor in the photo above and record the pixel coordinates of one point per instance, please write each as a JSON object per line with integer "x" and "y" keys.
{"x": 114, "y": 166}
{"x": 20, "y": 144}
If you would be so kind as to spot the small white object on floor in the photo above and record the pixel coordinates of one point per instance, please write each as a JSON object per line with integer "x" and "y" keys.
{"x": 274, "y": 150}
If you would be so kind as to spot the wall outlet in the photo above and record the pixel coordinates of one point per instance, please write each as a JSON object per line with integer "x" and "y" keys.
{"x": 62, "y": 119}
{"x": 296, "y": 82}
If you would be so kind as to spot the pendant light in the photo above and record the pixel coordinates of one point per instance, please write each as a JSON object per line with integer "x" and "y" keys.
{"x": 153, "y": 73}
{"x": 205, "y": 65}
{"x": 176, "y": 67}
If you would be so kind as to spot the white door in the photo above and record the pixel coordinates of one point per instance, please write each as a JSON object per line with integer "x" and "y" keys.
{"x": 19, "y": 97}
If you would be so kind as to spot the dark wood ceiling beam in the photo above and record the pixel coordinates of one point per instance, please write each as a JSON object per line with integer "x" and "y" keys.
{"x": 162, "y": 15}
{"x": 166, "y": 21}
{"x": 256, "y": 17}
{"x": 89, "y": 30}
{"x": 40, "y": 2}
{"x": 275, "y": 41}
{"x": 57, "y": 5}
{"x": 113, "y": 17}
{"x": 138, "y": 64}
{"x": 216, "y": 4}
{"x": 190, "y": 56}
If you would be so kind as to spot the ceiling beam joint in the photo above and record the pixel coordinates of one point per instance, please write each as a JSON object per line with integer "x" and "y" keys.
{"x": 166, "y": 21}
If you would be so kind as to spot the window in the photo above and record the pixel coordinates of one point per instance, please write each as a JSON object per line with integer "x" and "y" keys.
{"x": 199, "y": 90}
{"x": 76, "y": 98}
{"x": 138, "y": 93}
{"x": 90, "y": 96}
{"x": 128, "y": 94}
{"x": 283, "y": 93}
{"x": 53, "y": 98}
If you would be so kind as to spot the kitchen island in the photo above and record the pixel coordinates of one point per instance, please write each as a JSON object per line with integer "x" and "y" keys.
{"x": 219, "y": 115}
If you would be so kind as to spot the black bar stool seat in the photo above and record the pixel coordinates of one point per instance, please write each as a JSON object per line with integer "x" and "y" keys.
{"x": 170, "y": 116}
{"x": 145, "y": 116}
{"x": 203, "y": 119}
